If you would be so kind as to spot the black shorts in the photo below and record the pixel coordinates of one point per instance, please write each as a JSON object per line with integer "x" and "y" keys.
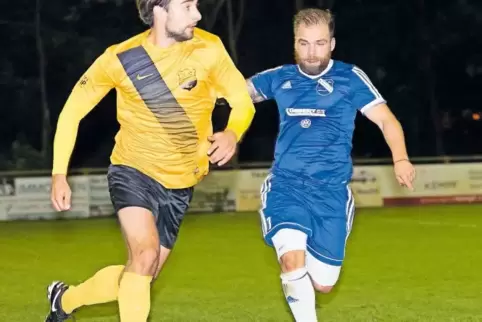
{"x": 129, "y": 187}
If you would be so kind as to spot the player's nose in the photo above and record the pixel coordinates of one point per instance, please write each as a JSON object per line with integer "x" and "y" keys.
{"x": 312, "y": 52}
{"x": 197, "y": 15}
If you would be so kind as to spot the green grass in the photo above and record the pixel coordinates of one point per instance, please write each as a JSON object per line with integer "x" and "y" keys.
{"x": 403, "y": 264}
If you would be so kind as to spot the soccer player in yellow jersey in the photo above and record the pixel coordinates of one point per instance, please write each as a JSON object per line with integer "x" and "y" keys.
{"x": 167, "y": 80}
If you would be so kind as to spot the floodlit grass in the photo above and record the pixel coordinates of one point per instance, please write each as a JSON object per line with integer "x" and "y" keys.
{"x": 403, "y": 264}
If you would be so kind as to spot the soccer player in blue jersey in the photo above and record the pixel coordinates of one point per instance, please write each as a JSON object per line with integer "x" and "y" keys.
{"x": 307, "y": 205}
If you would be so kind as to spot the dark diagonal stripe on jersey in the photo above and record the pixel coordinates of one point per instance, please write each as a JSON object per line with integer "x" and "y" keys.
{"x": 159, "y": 99}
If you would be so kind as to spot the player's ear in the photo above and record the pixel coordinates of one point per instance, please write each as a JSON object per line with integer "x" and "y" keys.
{"x": 333, "y": 43}
{"x": 159, "y": 12}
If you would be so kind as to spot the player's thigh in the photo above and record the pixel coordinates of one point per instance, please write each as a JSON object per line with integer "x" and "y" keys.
{"x": 332, "y": 221}
{"x": 326, "y": 251}
{"x": 140, "y": 231}
{"x": 132, "y": 197}
{"x": 283, "y": 207}
{"x": 173, "y": 206}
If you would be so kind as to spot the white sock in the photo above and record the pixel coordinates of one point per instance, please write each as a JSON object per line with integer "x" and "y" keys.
{"x": 300, "y": 295}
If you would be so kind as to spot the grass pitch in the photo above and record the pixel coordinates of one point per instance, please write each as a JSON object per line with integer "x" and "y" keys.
{"x": 403, "y": 264}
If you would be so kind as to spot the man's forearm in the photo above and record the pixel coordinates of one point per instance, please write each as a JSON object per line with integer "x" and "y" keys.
{"x": 64, "y": 143}
{"x": 242, "y": 114}
{"x": 394, "y": 136}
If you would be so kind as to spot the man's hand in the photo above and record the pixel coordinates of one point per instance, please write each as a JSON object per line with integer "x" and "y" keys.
{"x": 405, "y": 173}
{"x": 223, "y": 147}
{"x": 61, "y": 193}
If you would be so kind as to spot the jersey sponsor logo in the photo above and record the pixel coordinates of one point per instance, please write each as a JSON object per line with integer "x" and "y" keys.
{"x": 324, "y": 87}
{"x": 187, "y": 78}
{"x": 315, "y": 112}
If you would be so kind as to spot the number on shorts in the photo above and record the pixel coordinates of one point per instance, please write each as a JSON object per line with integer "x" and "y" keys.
{"x": 268, "y": 224}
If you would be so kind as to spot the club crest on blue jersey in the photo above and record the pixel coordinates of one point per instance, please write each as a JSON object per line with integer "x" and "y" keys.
{"x": 324, "y": 87}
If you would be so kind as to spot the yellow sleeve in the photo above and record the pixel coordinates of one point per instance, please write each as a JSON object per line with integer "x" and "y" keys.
{"x": 231, "y": 85}
{"x": 86, "y": 94}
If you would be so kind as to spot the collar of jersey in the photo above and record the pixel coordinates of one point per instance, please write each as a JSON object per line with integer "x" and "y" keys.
{"x": 326, "y": 70}
{"x": 158, "y": 50}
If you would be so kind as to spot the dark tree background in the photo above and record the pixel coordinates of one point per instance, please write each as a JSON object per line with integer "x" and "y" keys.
{"x": 423, "y": 55}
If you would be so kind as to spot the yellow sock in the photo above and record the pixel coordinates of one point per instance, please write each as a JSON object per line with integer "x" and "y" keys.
{"x": 103, "y": 287}
{"x": 134, "y": 297}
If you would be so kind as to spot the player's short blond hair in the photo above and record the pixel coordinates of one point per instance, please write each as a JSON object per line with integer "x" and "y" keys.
{"x": 315, "y": 16}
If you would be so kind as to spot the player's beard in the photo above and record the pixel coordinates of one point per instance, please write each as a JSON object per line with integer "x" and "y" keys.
{"x": 180, "y": 36}
{"x": 313, "y": 69}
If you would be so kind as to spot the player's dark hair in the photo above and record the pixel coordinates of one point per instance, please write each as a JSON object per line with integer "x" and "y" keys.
{"x": 146, "y": 9}
{"x": 315, "y": 16}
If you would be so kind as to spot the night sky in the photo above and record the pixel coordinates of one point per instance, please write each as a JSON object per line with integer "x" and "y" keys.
{"x": 423, "y": 56}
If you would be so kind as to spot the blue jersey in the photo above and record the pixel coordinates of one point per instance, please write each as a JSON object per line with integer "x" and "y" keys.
{"x": 317, "y": 118}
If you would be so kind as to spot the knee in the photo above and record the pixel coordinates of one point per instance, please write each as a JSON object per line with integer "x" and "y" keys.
{"x": 323, "y": 289}
{"x": 290, "y": 248}
{"x": 292, "y": 260}
{"x": 157, "y": 271}
{"x": 145, "y": 260}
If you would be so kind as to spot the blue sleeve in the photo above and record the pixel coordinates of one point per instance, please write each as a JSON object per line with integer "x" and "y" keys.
{"x": 365, "y": 94}
{"x": 264, "y": 82}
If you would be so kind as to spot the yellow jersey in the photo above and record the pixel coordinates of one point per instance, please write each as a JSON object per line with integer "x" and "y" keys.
{"x": 165, "y": 99}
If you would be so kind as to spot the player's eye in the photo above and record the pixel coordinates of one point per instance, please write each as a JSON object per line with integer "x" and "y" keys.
{"x": 191, "y": 6}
